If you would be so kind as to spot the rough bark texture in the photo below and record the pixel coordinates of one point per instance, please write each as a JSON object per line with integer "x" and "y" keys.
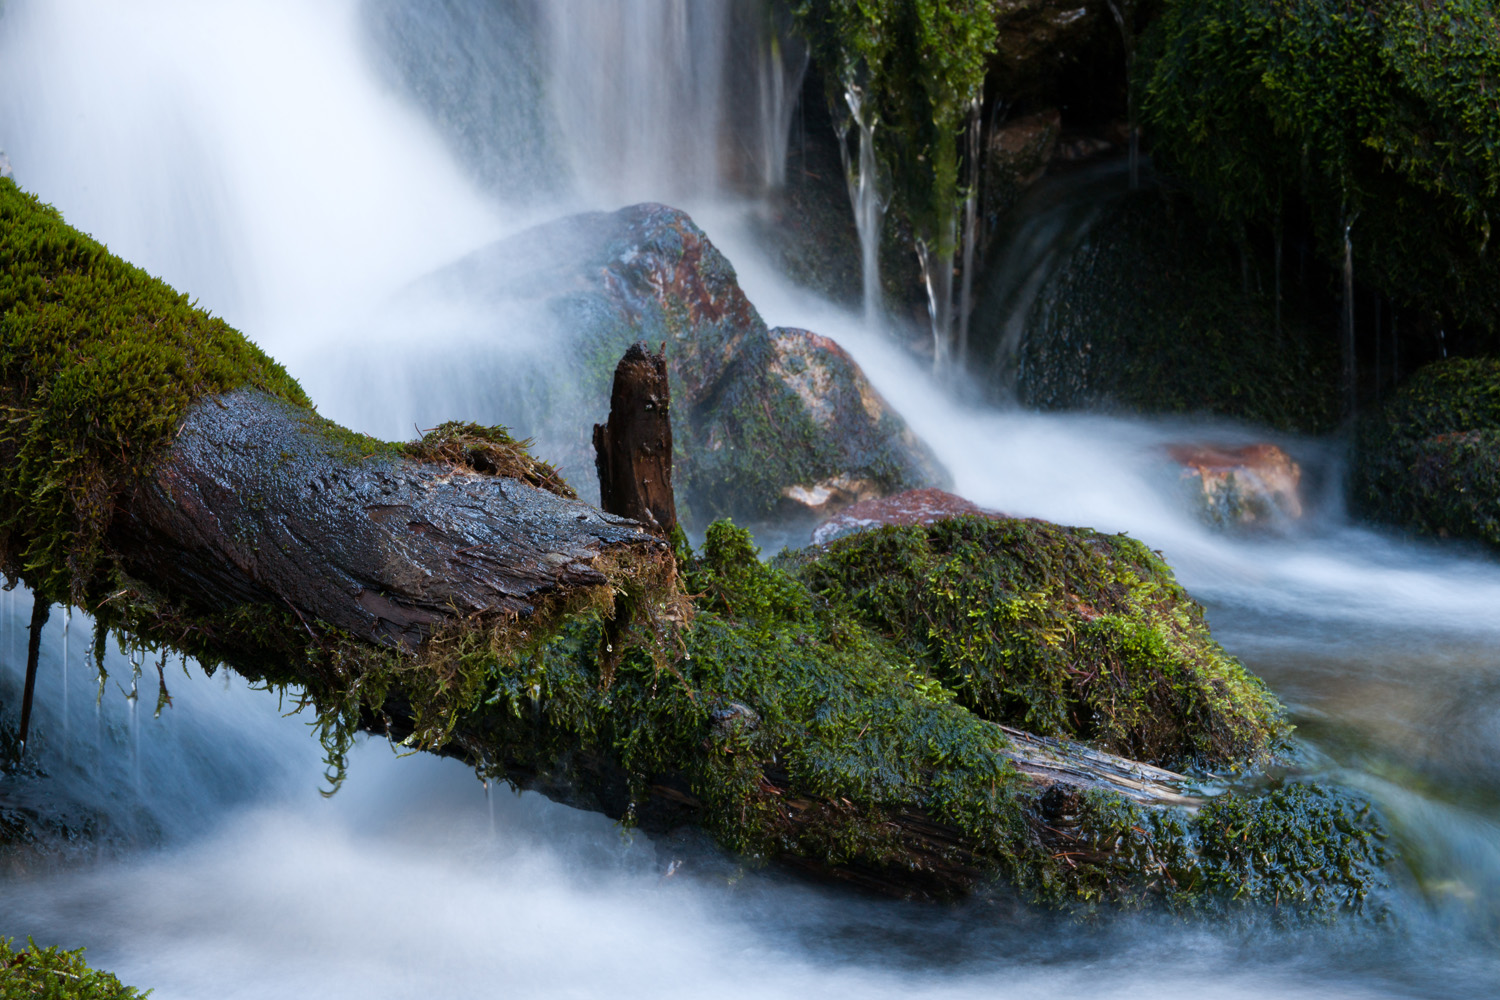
{"x": 257, "y": 503}
{"x": 633, "y": 451}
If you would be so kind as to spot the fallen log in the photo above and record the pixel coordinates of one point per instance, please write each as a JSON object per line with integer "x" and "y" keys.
{"x": 160, "y": 472}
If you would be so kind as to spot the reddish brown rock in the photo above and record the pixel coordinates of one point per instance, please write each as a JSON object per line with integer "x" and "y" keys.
{"x": 912, "y": 507}
{"x": 1255, "y": 485}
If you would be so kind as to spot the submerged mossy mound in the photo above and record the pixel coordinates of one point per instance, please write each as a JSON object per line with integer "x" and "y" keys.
{"x": 56, "y": 975}
{"x": 99, "y": 363}
{"x": 1057, "y": 631}
{"x": 1428, "y": 460}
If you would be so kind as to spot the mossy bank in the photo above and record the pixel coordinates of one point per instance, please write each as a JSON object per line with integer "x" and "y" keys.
{"x": 1428, "y": 460}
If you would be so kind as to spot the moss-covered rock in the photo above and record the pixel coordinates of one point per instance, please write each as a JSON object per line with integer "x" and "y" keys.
{"x": 804, "y": 722}
{"x": 1428, "y": 460}
{"x": 1148, "y": 312}
{"x": 1057, "y": 631}
{"x": 56, "y": 975}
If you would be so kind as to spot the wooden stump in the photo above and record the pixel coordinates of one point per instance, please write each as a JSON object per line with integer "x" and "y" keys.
{"x": 633, "y": 450}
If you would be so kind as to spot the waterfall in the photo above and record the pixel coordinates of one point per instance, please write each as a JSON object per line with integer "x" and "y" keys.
{"x": 782, "y": 61}
{"x": 636, "y": 90}
{"x": 250, "y": 154}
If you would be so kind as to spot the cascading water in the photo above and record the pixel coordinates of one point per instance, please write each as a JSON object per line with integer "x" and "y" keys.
{"x": 865, "y": 195}
{"x": 260, "y": 157}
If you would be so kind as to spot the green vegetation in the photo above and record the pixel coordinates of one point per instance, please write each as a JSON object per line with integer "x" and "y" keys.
{"x": 490, "y": 451}
{"x": 1381, "y": 117}
{"x": 1057, "y": 631}
{"x": 33, "y": 973}
{"x": 98, "y": 364}
{"x": 807, "y": 710}
{"x": 921, "y": 65}
{"x": 1429, "y": 459}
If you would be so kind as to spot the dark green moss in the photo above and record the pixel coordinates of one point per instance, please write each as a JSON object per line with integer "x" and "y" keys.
{"x": 1150, "y": 313}
{"x": 1428, "y": 460}
{"x": 1384, "y": 116}
{"x": 35, "y": 973}
{"x": 99, "y": 362}
{"x": 1058, "y": 631}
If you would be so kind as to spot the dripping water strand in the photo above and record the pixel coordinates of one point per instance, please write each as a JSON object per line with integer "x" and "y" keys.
{"x": 864, "y": 195}
{"x": 1350, "y": 390}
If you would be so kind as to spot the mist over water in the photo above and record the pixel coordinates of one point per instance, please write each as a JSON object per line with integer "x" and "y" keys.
{"x": 281, "y": 162}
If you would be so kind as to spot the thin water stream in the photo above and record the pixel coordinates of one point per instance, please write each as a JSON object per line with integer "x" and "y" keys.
{"x": 258, "y": 156}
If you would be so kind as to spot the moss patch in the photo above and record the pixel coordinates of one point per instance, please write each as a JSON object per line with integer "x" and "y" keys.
{"x": 99, "y": 362}
{"x": 1428, "y": 460}
{"x": 1058, "y": 631}
{"x": 491, "y": 451}
{"x": 56, "y": 975}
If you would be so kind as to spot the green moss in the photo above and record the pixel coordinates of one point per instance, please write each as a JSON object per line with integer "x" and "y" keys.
{"x": 33, "y": 973}
{"x": 1385, "y": 116}
{"x": 919, "y": 65}
{"x": 778, "y": 719}
{"x": 491, "y": 451}
{"x": 1058, "y": 631}
{"x": 99, "y": 363}
{"x": 1149, "y": 313}
{"x": 1428, "y": 460}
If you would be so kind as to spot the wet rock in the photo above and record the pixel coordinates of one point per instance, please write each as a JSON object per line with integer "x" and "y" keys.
{"x": 1057, "y": 48}
{"x": 1428, "y": 460}
{"x": 1016, "y": 156}
{"x": 1133, "y": 302}
{"x": 764, "y": 420}
{"x": 1252, "y": 486}
{"x": 924, "y": 506}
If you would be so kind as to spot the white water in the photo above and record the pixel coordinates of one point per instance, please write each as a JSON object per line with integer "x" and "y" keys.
{"x": 253, "y": 154}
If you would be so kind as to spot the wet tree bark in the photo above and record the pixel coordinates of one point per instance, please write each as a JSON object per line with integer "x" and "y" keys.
{"x": 633, "y": 450}
{"x": 262, "y": 503}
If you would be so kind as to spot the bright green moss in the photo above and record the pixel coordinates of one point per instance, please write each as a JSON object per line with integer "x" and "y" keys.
{"x": 1058, "y": 631}
{"x": 33, "y": 973}
{"x": 99, "y": 363}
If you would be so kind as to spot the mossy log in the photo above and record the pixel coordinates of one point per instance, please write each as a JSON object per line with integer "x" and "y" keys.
{"x": 160, "y": 471}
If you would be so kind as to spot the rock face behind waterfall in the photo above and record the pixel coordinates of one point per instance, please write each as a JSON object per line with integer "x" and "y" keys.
{"x": 1429, "y": 459}
{"x": 1141, "y": 308}
{"x": 766, "y": 419}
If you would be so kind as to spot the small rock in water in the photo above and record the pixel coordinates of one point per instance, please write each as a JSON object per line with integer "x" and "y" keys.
{"x": 734, "y": 715}
{"x": 1253, "y": 486}
{"x": 924, "y": 506}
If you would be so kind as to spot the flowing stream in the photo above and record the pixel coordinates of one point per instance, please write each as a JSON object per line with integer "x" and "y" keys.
{"x": 267, "y": 158}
